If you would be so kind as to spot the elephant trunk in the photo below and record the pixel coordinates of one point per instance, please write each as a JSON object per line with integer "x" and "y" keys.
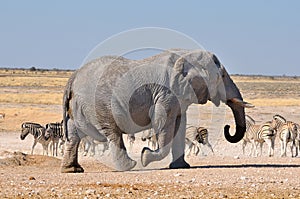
{"x": 237, "y": 107}
{"x": 164, "y": 145}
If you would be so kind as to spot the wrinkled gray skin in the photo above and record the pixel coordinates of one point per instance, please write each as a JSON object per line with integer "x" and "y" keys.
{"x": 112, "y": 95}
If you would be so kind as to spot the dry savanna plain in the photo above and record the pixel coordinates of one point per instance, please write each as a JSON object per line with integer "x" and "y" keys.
{"x": 36, "y": 96}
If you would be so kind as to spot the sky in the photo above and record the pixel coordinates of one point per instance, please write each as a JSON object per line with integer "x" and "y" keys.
{"x": 249, "y": 37}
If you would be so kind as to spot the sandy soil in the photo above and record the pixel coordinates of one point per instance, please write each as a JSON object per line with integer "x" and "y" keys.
{"x": 225, "y": 174}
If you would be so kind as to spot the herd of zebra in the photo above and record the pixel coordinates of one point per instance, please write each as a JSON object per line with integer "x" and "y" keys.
{"x": 287, "y": 132}
{"x": 52, "y": 136}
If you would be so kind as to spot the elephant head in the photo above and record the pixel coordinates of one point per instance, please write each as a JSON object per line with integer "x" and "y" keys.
{"x": 207, "y": 77}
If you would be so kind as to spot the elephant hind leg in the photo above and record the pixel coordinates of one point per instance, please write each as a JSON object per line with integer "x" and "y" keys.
{"x": 70, "y": 159}
{"x": 122, "y": 162}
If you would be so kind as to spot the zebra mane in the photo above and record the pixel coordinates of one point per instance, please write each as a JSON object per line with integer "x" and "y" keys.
{"x": 30, "y": 124}
{"x": 201, "y": 129}
{"x": 279, "y": 117}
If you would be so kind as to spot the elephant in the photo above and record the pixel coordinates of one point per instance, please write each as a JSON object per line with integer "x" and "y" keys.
{"x": 113, "y": 95}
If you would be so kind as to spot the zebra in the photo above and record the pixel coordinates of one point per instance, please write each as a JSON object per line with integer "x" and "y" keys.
{"x": 87, "y": 143}
{"x": 151, "y": 136}
{"x": 196, "y": 136}
{"x": 131, "y": 139}
{"x": 287, "y": 132}
{"x": 39, "y": 133}
{"x": 2, "y": 115}
{"x": 258, "y": 134}
{"x": 57, "y": 138}
{"x": 297, "y": 140}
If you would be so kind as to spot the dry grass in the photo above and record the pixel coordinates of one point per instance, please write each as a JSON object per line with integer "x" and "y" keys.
{"x": 33, "y": 81}
{"x": 262, "y": 102}
{"x": 32, "y": 98}
{"x": 15, "y": 116}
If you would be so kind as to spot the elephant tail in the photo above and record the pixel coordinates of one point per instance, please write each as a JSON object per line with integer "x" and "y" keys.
{"x": 67, "y": 114}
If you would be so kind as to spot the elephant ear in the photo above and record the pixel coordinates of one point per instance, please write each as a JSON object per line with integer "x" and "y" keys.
{"x": 180, "y": 66}
{"x": 193, "y": 85}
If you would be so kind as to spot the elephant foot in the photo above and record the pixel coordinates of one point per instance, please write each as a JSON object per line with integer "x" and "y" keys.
{"x": 125, "y": 165}
{"x": 121, "y": 159}
{"x": 72, "y": 169}
{"x": 179, "y": 163}
{"x": 149, "y": 155}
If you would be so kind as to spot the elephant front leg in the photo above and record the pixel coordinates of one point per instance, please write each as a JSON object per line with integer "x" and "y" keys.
{"x": 70, "y": 159}
{"x": 178, "y": 144}
{"x": 164, "y": 145}
{"x": 165, "y": 140}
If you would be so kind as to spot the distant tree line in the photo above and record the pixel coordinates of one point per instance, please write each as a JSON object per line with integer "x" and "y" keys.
{"x": 33, "y": 69}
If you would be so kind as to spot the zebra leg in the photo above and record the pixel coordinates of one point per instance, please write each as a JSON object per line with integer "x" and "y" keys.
{"x": 45, "y": 148}
{"x": 70, "y": 159}
{"x": 199, "y": 148}
{"x": 261, "y": 146}
{"x": 34, "y": 143}
{"x": 190, "y": 145}
{"x": 271, "y": 146}
{"x": 253, "y": 149}
{"x": 292, "y": 148}
{"x": 92, "y": 148}
{"x": 243, "y": 146}
{"x": 51, "y": 147}
{"x": 55, "y": 147}
{"x": 86, "y": 147}
{"x": 283, "y": 148}
{"x": 61, "y": 147}
{"x": 297, "y": 148}
{"x": 208, "y": 144}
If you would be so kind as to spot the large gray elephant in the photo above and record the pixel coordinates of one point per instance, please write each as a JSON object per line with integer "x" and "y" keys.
{"x": 113, "y": 95}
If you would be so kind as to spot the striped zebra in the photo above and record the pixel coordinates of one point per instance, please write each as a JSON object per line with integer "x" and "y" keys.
{"x": 2, "y": 115}
{"x": 39, "y": 134}
{"x": 297, "y": 140}
{"x": 88, "y": 143}
{"x": 258, "y": 134}
{"x": 194, "y": 137}
{"x": 151, "y": 136}
{"x": 287, "y": 132}
{"x": 56, "y": 135}
{"x": 131, "y": 139}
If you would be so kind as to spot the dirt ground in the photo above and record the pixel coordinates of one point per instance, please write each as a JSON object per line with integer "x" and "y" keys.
{"x": 227, "y": 173}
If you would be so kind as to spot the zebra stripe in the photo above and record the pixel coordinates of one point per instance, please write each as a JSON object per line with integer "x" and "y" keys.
{"x": 151, "y": 136}
{"x": 258, "y": 134}
{"x": 39, "y": 134}
{"x": 195, "y": 136}
{"x": 56, "y": 135}
{"x": 88, "y": 143}
{"x": 131, "y": 139}
{"x": 287, "y": 132}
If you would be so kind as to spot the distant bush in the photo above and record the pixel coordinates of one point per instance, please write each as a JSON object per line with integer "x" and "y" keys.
{"x": 32, "y": 68}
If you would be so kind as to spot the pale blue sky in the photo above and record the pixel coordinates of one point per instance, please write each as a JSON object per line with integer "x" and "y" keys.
{"x": 249, "y": 37}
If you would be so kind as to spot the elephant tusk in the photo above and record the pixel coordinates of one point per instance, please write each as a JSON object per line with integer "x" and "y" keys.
{"x": 242, "y": 103}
